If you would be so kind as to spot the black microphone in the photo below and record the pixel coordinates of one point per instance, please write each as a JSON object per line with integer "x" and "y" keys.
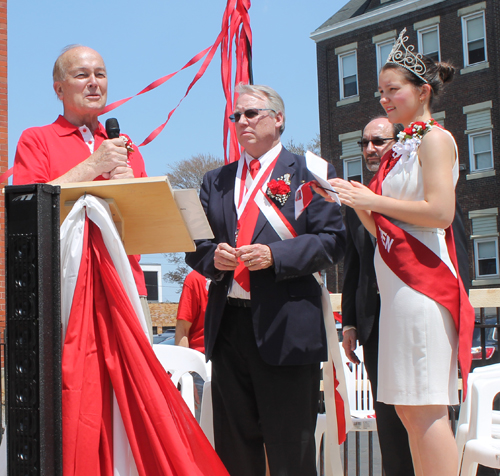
{"x": 112, "y": 128}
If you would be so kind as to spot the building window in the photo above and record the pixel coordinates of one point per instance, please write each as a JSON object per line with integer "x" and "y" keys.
{"x": 479, "y": 132}
{"x": 474, "y": 38}
{"x": 383, "y": 50}
{"x": 480, "y": 151}
{"x": 485, "y": 238}
{"x": 428, "y": 42}
{"x": 348, "y": 72}
{"x": 486, "y": 257}
{"x": 153, "y": 276}
{"x": 353, "y": 169}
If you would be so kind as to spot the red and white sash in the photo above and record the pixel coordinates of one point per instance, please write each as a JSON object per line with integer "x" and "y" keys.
{"x": 246, "y": 209}
{"x": 338, "y": 416}
{"x": 421, "y": 269}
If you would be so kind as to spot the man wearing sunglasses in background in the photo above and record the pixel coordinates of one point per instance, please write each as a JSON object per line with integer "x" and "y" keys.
{"x": 361, "y": 304}
{"x": 361, "y": 300}
{"x": 264, "y": 328}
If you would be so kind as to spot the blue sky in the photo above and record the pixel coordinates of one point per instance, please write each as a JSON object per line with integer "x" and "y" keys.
{"x": 143, "y": 41}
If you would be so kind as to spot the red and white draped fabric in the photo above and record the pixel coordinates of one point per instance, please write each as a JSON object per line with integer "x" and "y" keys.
{"x": 338, "y": 415}
{"x": 122, "y": 416}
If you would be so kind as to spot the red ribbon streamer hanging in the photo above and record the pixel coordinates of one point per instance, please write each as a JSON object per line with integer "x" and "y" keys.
{"x": 238, "y": 25}
{"x": 235, "y": 27}
{"x": 156, "y": 83}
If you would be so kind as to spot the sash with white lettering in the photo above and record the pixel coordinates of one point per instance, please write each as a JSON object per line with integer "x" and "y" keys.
{"x": 338, "y": 416}
{"x": 422, "y": 270}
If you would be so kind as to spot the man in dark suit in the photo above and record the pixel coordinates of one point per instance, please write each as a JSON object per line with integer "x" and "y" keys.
{"x": 361, "y": 307}
{"x": 361, "y": 301}
{"x": 264, "y": 329}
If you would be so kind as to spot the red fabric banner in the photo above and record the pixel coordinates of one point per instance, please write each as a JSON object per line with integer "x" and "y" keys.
{"x": 105, "y": 348}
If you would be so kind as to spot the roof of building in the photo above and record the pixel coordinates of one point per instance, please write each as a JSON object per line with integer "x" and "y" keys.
{"x": 354, "y": 8}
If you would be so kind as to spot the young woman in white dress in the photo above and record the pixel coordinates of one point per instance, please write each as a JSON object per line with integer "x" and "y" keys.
{"x": 418, "y": 340}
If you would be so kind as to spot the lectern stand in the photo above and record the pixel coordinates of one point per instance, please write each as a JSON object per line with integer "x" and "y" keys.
{"x": 149, "y": 221}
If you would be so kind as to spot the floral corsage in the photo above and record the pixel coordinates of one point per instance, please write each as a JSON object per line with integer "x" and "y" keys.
{"x": 279, "y": 189}
{"x": 416, "y": 130}
{"x": 129, "y": 144}
{"x": 406, "y": 149}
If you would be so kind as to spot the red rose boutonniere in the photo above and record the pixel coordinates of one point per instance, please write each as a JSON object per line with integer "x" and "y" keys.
{"x": 279, "y": 189}
{"x": 129, "y": 144}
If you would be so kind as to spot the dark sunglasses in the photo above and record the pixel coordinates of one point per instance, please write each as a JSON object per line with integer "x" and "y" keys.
{"x": 376, "y": 142}
{"x": 249, "y": 114}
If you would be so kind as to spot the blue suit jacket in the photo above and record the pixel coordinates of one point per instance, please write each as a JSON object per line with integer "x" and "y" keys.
{"x": 286, "y": 299}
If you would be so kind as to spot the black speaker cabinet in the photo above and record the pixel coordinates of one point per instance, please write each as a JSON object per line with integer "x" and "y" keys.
{"x": 33, "y": 352}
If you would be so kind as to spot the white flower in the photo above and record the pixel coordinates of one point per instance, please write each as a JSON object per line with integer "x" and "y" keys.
{"x": 407, "y": 152}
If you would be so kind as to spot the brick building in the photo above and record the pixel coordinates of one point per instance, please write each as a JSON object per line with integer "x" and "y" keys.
{"x": 351, "y": 48}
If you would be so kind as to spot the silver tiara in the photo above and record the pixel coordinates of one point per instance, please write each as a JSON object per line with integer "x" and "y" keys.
{"x": 404, "y": 56}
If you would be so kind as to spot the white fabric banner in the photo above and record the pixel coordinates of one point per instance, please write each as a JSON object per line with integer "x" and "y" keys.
{"x": 72, "y": 231}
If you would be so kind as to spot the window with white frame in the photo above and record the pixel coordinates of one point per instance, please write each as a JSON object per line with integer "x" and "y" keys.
{"x": 348, "y": 75}
{"x": 383, "y": 50}
{"x": 353, "y": 169}
{"x": 479, "y": 132}
{"x": 486, "y": 257}
{"x": 480, "y": 151}
{"x": 474, "y": 39}
{"x": 152, "y": 277}
{"x": 428, "y": 42}
{"x": 485, "y": 238}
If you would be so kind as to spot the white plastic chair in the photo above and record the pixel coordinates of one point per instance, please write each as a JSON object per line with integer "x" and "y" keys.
{"x": 461, "y": 434}
{"x": 206, "y": 417}
{"x": 360, "y": 394}
{"x": 481, "y": 447}
{"x": 180, "y": 361}
{"x": 318, "y": 437}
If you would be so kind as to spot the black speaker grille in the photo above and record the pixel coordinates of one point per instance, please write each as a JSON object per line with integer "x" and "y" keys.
{"x": 33, "y": 364}
{"x": 23, "y": 363}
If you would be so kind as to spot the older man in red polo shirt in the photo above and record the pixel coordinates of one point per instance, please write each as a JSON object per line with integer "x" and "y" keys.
{"x": 76, "y": 148}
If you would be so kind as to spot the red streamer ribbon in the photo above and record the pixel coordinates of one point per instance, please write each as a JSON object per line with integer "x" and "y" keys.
{"x": 156, "y": 83}
{"x": 5, "y": 176}
{"x": 235, "y": 27}
{"x": 238, "y": 24}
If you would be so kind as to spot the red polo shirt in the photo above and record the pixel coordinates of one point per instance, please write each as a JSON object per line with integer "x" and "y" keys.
{"x": 192, "y": 306}
{"x": 45, "y": 153}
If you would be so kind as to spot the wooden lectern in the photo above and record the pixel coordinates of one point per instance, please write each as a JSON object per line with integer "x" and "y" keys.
{"x": 150, "y": 216}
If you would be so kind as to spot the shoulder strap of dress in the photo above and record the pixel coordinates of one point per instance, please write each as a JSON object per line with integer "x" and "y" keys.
{"x": 441, "y": 128}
